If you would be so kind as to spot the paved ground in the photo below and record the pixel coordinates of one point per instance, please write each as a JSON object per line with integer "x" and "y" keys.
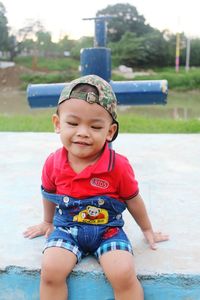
{"x": 168, "y": 170}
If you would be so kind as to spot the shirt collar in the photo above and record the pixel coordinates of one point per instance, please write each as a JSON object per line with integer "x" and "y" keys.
{"x": 106, "y": 161}
{"x": 104, "y": 164}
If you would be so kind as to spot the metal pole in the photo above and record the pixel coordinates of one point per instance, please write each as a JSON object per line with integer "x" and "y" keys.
{"x": 97, "y": 60}
{"x": 177, "y": 51}
{"x": 100, "y": 32}
{"x": 187, "y": 64}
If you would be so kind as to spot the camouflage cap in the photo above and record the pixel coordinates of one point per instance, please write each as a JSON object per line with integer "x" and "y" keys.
{"x": 106, "y": 97}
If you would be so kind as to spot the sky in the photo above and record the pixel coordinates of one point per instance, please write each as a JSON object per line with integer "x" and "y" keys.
{"x": 62, "y": 17}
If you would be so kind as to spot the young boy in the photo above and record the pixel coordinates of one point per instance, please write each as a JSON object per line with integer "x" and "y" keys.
{"x": 86, "y": 186}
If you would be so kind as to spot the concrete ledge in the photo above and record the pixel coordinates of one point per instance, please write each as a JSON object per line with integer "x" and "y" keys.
{"x": 167, "y": 168}
{"x": 18, "y": 283}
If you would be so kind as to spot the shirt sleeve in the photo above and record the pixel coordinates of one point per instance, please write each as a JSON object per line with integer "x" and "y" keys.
{"x": 48, "y": 181}
{"x": 128, "y": 185}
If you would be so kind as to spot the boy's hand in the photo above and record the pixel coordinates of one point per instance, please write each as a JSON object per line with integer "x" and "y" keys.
{"x": 154, "y": 237}
{"x": 43, "y": 228}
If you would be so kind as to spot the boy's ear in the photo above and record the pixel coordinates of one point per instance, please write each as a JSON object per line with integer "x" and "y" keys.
{"x": 56, "y": 123}
{"x": 111, "y": 132}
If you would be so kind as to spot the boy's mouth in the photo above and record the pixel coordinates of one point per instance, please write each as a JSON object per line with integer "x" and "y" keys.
{"x": 81, "y": 143}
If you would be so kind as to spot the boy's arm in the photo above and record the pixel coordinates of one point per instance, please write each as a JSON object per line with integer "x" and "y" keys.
{"x": 48, "y": 211}
{"x": 46, "y": 226}
{"x": 138, "y": 211}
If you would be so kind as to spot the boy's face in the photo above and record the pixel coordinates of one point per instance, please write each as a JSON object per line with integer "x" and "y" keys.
{"x": 84, "y": 128}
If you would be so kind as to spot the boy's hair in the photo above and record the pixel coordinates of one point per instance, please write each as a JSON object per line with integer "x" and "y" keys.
{"x": 92, "y": 89}
{"x": 84, "y": 87}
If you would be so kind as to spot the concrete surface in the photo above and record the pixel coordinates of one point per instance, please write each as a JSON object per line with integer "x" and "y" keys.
{"x": 168, "y": 170}
{"x": 6, "y": 64}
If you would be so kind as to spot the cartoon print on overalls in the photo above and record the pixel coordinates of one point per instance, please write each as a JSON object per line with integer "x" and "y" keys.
{"x": 92, "y": 215}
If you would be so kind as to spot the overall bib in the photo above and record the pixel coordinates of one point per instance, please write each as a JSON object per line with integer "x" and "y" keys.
{"x": 86, "y": 222}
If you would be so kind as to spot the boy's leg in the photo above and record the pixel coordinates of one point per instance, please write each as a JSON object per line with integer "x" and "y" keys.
{"x": 119, "y": 268}
{"x": 57, "y": 264}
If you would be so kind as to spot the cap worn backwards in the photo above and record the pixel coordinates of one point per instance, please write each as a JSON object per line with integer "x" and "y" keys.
{"x": 106, "y": 97}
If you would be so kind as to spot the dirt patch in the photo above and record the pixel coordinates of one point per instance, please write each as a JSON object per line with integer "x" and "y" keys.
{"x": 12, "y": 99}
{"x": 10, "y": 77}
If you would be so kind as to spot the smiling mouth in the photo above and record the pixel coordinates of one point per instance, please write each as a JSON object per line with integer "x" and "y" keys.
{"x": 82, "y": 143}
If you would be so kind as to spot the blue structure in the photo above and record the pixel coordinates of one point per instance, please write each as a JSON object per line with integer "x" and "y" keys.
{"x": 97, "y": 60}
{"x": 25, "y": 285}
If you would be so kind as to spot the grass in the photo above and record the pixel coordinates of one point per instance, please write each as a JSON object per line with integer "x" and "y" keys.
{"x": 178, "y": 81}
{"x": 48, "y": 64}
{"x": 57, "y": 77}
{"x": 47, "y": 70}
{"x": 138, "y": 124}
{"x": 129, "y": 123}
{"x": 26, "y": 123}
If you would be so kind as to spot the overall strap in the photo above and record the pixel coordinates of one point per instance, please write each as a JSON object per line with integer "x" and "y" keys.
{"x": 55, "y": 198}
{"x": 97, "y": 210}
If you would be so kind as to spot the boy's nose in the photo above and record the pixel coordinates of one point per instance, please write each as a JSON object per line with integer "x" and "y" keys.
{"x": 82, "y": 131}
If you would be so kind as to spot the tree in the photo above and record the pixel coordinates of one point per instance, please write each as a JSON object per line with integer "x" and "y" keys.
{"x": 156, "y": 49}
{"x": 84, "y": 42}
{"x": 30, "y": 30}
{"x": 44, "y": 43}
{"x": 35, "y": 39}
{"x": 3, "y": 28}
{"x": 194, "y": 52}
{"x": 144, "y": 51}
{"x": 12, "y": 47}
{"x": 125, "y": 19}
{"x": 126, "y": 51}
{"x": 65, "y": 44}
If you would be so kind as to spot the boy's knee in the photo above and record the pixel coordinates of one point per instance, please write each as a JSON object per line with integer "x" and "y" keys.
{"x": 52, "y": 274}
{"x": 124, "y": 277}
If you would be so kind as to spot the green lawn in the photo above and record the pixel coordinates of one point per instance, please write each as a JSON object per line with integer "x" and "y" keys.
{"x": 180, "y": 115}
{"x": 128, "y": 123}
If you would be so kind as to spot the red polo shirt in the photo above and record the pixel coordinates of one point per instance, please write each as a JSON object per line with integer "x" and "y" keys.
{"x": 112, "y": 175}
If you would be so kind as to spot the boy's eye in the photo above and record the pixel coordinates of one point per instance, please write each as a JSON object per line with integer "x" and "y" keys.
{"x": 96, "y": 127}
{"x": 72, "y": 123}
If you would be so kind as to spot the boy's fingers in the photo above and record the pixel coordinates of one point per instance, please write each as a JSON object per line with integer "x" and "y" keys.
{"x": 150, "y": 239}
{"x": 159, "y": 237}
{"x": 155, "y": 237}
{"x": 38, "y": 230}
{"x": 153, "y": 246}
{"x": 32, "y": 233}
{"x": 151, "y": 242}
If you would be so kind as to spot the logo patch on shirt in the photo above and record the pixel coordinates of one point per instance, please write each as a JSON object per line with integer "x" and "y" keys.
{"x": 100, "y": 183}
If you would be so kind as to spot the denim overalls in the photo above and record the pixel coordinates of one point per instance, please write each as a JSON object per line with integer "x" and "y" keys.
{"x": 88, "y": 221}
